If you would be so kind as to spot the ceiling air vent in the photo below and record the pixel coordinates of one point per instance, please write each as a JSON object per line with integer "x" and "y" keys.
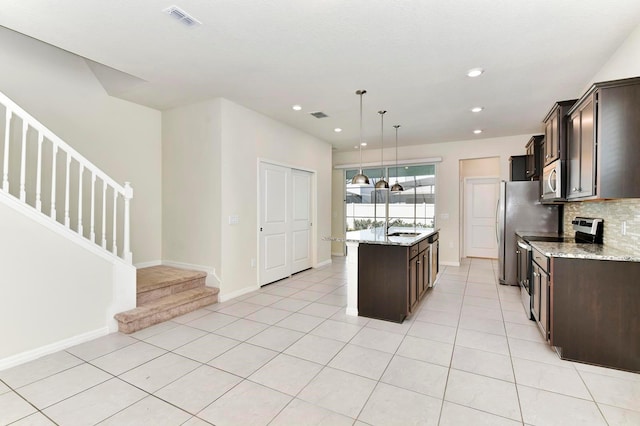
{"x": 319, "y": 114}
{"x": 182, "y": 16}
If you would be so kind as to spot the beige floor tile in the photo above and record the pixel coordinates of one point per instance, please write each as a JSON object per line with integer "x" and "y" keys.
{"x": 315, "y": 348}
{"x": 291, "y": 305}
{"x": 426, "y": 350}
{"x": 145, "y": 333}
{"x": 552, "y": 378}
{"x": 483, "y": 393}
{"x": 39, "y": 369}
{"x": 534, "y": 351}
{"x": 338, "y": 391}
{"x": 212, "y": 321}
{"x": 13, "y": 407}
{"x": 241, "y": 309}
{"x": 243, "y": 360}
{"x": 96, "y": 404}
{"x": 300, "y": 322}
{"x": 242, "y": 329}
{"x": 276, "y": 338}
{"x": 483, "y": 363}
{"x": 525, "y": 332}
{"x": 547, "y": 408}
{"x": 483, "y": 341}
{"x": 364, "y": 362}
{"x": 307, "y": 295}
{"x": 299, "y": 412}
{"x": 36, "y": 419}
{"x": 286, "y": 374}
{"x": 268, "y": 315}
{"x": 263, "y": 299}
{"x": 457, "y": 415}
{"x": 393, "y": 327}
{"x": 613, "y": 391}
{"x": 206, "y": 348}
{"x": 159, "y": 372}
{"x": 390, "y": 405}
{"x": 128, "y": 357}
{"x": 148, "y": 411}
{"x": 431, "y": 331}
{"x": 246, "y": 404}
{"x": 336, "y": 330}
{"x": 482, "y": 324}
{"x": 380, "y": 340}
{"x": 176, "y": 337}
{"x": 197, "y": 389}
{"x": 620, "y": 416}
{"x": 101, "y": 346}
{"x": 46, "y": 392}
{"x": 417, "y": 376}
{"x": 320, "y": 310}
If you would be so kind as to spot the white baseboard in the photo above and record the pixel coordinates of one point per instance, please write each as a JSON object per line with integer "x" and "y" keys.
{"x": 325, "y": 263}
{"x": 212, "y": 279}
{"x": 223, "y": 297}
{"x": 450, "y": 263}
{"x": 352, "y": 312}
{"x": 147, "y": 264}
{"x": 36, "y": 353}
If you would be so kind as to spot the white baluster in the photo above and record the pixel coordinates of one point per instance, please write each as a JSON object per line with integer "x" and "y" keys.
{"x": 23, "y": 162}
{"x": 104, "y": 215}
{"x": 92, "y": 233}
{"x": 80, "y": 228}
{"x": 39, "y": 173}
{"x": 5, "y": 166}
{"x": 53, "y": 182}
{"x": 114, "y": 248}
{"x": 67, "y": 220}
{"x": 128, "y": 195}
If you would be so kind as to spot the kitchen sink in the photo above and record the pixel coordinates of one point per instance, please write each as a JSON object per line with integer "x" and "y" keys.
{"x": 403, "y": 234}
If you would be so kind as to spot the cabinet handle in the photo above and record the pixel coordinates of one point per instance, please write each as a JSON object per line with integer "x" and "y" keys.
{"x": 418, "y": 262}
{"x": 574, "y": 189}
{"x": 546, "y": 156}
{"x": 535, "y": 274}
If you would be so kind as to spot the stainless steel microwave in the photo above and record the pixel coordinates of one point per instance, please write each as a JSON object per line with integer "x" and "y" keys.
{"x": 552, "y": 181}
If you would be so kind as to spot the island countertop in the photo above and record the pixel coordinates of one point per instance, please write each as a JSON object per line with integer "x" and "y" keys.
{"x": 378, "y": 236}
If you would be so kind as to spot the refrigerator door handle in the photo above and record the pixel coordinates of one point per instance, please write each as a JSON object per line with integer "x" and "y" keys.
{"x": 497, "y": 221}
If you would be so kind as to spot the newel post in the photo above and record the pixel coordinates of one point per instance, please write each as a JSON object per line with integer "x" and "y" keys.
{"x": 128, "y": 195}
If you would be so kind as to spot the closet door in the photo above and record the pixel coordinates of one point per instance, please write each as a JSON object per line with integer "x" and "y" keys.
{"x": 301, "y": 221}
{"x": 275, "y": 223}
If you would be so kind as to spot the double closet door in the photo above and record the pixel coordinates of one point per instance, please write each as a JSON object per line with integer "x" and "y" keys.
{"x": 285, "y": 222}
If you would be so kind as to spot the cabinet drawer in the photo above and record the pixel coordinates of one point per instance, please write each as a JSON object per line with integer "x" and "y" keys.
{"x": 414, "y": 250}
{"x": 424, "y": 244}
{"x": 541, "y": 260}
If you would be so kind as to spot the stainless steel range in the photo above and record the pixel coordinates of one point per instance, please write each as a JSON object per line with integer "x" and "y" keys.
{"x": 588, "y": 231}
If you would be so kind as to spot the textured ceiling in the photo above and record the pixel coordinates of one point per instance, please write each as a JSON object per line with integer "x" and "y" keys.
{"x": 411, "y": 57}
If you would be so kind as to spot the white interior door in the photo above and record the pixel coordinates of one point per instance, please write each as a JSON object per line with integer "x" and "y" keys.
{"x": 275, "y": 232}
{"x": 301, "y": 221}
{"x": 481, "y": 196}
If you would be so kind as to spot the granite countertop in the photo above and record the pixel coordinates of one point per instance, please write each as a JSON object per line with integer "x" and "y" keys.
{"x": 584, "y": 251}
{"x": 377, "y": 236}
{"x": 543, "y": 234}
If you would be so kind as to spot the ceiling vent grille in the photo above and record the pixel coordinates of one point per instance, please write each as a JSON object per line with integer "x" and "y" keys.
{"x": 319, "y": 114}
{"x": 176, "y": 13}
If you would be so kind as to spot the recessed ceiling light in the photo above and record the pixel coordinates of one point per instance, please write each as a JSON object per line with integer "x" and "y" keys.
{"x": 475, "y": 72}
{"x": 182, "y": 16}
{"x": 363, "y": 143}
{"x": 296, "y": 108}
{"x": 476, "y": 109}
{"x": 477, "y": 131}
{"x": 337, "y": 130}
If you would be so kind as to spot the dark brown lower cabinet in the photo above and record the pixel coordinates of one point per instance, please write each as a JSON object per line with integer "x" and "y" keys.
{"x": 595, "y": 311}
{"x": 393, "y": 279}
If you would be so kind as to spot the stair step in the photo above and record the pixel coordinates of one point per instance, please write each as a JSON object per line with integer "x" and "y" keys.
{"x": 165, "y": 308}
{"x": 156, "y": 282}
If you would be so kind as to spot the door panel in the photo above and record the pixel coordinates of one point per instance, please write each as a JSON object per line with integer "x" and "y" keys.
{"x": 274, "y": 223}
{"x": 481, "y": 196}
{"x": 301, "y": 220}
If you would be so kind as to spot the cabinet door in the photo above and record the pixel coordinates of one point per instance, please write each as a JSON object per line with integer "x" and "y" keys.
{"x": 426, "y": 275}
{"x": 581, "y": 152}
{"x": 435, "y": 253}
{"x": 535, "y": 290}
{"x": 552, "y": 139}
{"x": 414, "y": 270}
{"x": 544, "y": 305}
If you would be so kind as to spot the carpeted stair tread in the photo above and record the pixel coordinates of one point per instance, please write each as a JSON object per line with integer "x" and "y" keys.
{"x": 156, "y": 277}
{"x": 165, "y": 308}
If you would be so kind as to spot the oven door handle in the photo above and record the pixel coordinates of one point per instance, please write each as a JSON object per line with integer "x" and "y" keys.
{"x": 553, "y": 172}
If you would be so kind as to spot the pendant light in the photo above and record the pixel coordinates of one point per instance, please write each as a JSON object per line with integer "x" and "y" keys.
{"x": 382, "y": 184}
{"x": 360, "y": 178}
{"x": 396, "y": 186}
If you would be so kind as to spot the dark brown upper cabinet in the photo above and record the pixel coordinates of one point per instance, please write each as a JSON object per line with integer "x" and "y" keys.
{"x": 534, "y": 157}
{"x": 604, "y": 142}
{"x": 555, "y": 131}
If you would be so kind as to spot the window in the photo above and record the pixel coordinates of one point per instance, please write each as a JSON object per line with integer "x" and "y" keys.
{"x": 366, "y": 207}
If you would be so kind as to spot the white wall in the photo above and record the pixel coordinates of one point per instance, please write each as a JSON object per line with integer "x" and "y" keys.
{"x": 211, "y": 152}
{"x": 624, "y": 63}
{"x": 120, "y": 137}
{"x": 55, "y": 292}
{"x": 447, "y": 178}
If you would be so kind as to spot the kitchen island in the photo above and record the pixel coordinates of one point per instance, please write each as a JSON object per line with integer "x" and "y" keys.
{"x": 389, "y": 272}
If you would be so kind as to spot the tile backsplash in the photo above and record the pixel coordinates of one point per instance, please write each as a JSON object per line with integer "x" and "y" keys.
{"x": 614, "y": 213}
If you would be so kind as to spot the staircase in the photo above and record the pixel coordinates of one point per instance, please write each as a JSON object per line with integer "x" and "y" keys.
{"x": 163, "y": 293}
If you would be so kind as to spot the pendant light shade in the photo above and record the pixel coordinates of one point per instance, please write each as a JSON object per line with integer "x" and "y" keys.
{"x": 396, "y": 186}
{"x": 382, "y": 184}
{"x": 360, "y": 178}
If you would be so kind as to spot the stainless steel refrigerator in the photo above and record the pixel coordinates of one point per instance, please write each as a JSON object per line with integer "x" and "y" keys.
{"x": 519, "y": 209}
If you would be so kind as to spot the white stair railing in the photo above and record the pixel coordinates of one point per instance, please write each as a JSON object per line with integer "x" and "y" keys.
{"x": 32, "y": 174}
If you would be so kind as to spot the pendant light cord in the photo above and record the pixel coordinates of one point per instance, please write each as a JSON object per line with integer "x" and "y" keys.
{"x": 396, "y": 127}
{"x": 362, "y": 92}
